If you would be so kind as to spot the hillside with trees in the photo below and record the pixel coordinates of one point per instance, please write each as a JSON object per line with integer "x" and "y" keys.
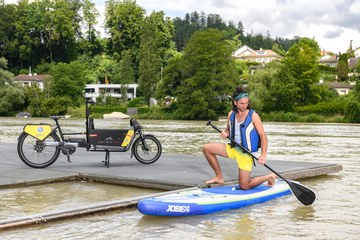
{"x": 188, "y": 59}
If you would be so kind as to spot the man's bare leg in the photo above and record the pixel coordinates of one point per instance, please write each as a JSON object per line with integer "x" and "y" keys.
{"x": 210, "y": 151}
{"x": 245, "y": 182}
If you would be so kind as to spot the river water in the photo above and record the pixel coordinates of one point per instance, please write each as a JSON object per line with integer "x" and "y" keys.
{"x": 334, "y": 215}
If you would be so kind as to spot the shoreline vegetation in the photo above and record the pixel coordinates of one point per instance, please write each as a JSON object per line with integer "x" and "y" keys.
{"x": 159, "y": 113}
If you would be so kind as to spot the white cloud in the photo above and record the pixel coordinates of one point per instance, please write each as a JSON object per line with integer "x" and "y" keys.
{"x": 331, "y": 23}
{"x": 334, "y": 34}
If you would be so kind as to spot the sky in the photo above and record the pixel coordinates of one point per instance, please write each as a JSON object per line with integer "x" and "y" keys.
{"x": 332, "y": 23}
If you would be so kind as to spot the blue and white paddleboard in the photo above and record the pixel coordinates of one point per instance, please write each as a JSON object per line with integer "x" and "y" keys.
{"x": 209, "y": 200}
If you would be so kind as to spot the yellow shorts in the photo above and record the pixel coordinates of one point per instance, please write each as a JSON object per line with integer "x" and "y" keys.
{"x": 244, "y": 160}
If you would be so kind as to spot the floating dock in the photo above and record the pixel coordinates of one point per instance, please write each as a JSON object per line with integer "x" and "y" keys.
{"x": 170, "y": 173}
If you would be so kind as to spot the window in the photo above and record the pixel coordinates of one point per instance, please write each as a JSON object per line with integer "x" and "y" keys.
{"x": 89, "y": 90}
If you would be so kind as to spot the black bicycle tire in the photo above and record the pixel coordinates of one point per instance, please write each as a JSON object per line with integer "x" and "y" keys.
{"x": 138, "y": 141}
{"x": 30, "y": 163}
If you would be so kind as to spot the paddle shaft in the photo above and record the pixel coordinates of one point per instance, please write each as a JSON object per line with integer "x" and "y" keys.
{"x": 305, "y": 195}
{"x": 247, "y": 151}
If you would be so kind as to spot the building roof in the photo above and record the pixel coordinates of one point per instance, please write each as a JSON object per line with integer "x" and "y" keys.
{"x": 339, "y": 85}
{"x": 243, "y": 51}
{"x": 263, "y": 53}
{"x": 353, "y": 62}
{"x": 31, "y": 77}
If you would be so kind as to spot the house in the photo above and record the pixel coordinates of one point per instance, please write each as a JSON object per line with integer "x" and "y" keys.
{"x": 329, "y": 60}
{"x": 242, "y": 52}
{"x": 31, "y": 79}
{"x": 91, "y": 90}
{"x": 263, "y": 56}
{"x": 341, "y": 88}
{"x": 95, "y": 90}
{"x": 357, "y": 52}
{"x": 260, "y": 56}
{"x": 353, "y": 62}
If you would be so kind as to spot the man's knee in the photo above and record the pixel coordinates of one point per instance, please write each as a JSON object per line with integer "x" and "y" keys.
{"x": 206, "y": 147}
{"x": 244, "y": 186}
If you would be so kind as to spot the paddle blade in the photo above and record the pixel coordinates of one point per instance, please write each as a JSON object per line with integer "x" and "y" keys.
{"x": 305, "y": 195}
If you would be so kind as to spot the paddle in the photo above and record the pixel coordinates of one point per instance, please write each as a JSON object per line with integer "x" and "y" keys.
{"x": 305, "y": 195}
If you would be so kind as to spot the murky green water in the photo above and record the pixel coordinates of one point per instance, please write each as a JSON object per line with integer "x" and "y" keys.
{"x": 334, "y": 215}
{"x": 52, "y": 197}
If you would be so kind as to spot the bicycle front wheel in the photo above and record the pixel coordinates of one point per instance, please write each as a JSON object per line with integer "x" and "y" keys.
{"x": 147, "y": 150}
{"x": 35, "y": 153}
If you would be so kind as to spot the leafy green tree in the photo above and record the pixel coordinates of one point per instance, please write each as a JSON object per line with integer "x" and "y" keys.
{"x": 342, "y": 70}
{"x": 301, "y": 64}
{"x": 278, "y": 49}
{"x": 352, "y": 112}
{"x": 127, "y": 74}
{"x": 8, "y": 45}
{"x": 68, "y": 81}
{"x": 150, "y": 61}
{"x": 91, "y": 44}
{"x": 34, "y": 98}
{"x": 156, "y": 48}
{"x": 172, "y": 77}
{"x": 272, "y": 88}
{"x": 123, "y": 22}
{"x": 209, "y": 76}
{"x": 356, "y": 89}
{"x": 11, "y": 96}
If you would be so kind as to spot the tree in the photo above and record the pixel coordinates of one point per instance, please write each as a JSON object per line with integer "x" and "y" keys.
{"x": 11, "y": 96}
{"x": 208, "y": 72}
{"x": 126, "y": 70}
{"x": 68, "y": 81}
{"x": 301, "y": 64}
{"x": 272, "y": 88}
{"x": 172, "y": 77}
{"x": 91, "y": 44}
{"x": 156, "y": 48}
{"x": 150, "y": 61}
{"x": 123, "y": 22}
{"x": 342, "y": 68}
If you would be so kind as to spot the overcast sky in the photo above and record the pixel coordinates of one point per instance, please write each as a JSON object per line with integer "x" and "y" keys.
{"x": 332, "y": 23}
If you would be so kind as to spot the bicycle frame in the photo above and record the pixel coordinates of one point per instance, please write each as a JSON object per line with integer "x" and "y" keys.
{"x": 105, "y": 140}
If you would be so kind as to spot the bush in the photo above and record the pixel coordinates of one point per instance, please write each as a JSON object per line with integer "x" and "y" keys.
{"x": 330, "y": 108}
{"x": 103, "y": 109}
{"x": 137, "y": 102}
{"x": 312, "y": 118}
{"x": 352, "y": 112}
{"x": 280, "y": 117}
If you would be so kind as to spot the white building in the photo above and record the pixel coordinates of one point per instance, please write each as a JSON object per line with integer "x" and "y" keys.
{"x": 260, "y": 56}
{"x": 95, "y": 90}
{"x": 31, "y": 79}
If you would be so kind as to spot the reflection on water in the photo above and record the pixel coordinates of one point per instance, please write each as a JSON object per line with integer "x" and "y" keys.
{"x": 22, "y": 201}
{"x": 334, "y": 215}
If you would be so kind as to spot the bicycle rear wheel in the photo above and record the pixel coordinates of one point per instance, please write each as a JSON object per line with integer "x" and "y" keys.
{"x": 147, "y": 150}
{"x": 35, "y": 153}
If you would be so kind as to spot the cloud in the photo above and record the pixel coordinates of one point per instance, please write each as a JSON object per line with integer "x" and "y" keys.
{"x": 334, "y": 33}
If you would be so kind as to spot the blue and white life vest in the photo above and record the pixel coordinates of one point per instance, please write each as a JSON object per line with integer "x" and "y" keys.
{"x": 250, "y": 138}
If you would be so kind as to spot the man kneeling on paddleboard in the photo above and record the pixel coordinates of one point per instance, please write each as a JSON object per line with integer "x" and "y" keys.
{"x": 245, "y": 127}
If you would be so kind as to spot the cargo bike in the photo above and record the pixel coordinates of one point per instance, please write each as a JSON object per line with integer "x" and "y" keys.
{"x": 39, "y": 145}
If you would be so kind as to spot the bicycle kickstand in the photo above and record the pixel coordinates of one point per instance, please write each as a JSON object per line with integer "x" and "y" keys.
{"x": 68, "y": 155}
{"x": 107, "y": 158}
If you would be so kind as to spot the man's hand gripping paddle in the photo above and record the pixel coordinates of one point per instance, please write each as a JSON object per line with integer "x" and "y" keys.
{"x": 305, "y": 195}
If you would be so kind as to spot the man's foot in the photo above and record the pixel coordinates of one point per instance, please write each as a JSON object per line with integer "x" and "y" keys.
{"x": 215, "y": 180}
{"x": 271, "y": 179}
